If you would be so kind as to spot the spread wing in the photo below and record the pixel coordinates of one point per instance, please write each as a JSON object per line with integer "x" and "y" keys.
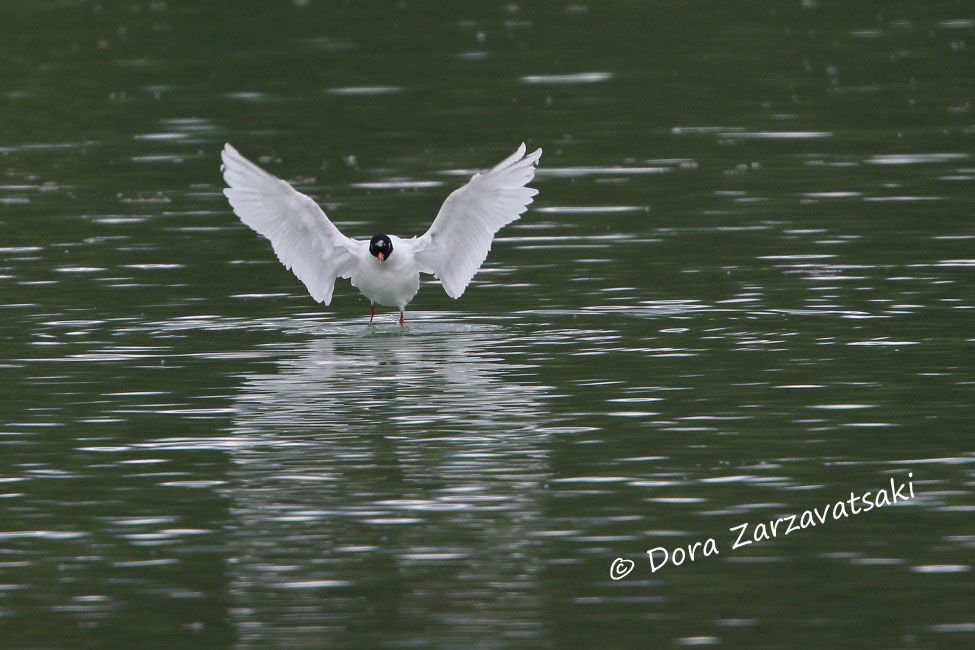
{"x": 303, "y": 238}
{"x": 459, "y": 239}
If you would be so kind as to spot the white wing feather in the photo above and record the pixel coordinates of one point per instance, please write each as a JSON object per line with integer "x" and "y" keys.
{"x": 303, "y": 238}
{"x": 459, "y": 239}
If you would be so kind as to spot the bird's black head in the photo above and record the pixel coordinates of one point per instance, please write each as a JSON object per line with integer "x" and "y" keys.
{"x": 381, "y": 247}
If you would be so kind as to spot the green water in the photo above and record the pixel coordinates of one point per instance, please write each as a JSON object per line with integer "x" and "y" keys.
{"x": 745, "y": 290}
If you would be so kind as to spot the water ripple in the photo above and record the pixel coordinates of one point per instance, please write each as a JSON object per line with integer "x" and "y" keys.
{"x": 575, "y": 78}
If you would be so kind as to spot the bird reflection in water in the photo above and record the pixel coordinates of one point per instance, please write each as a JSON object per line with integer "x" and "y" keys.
{"x": 391, "y": 478}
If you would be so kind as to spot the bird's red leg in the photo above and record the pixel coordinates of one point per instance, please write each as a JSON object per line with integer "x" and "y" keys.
{"x": 401, "y": 318}
{"x": 372, "y": 313}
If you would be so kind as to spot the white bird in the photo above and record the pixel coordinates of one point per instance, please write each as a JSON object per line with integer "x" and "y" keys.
{"x": 387, "y": 268}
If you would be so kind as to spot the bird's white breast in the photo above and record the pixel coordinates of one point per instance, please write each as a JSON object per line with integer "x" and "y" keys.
{"x": 392, "y": 283}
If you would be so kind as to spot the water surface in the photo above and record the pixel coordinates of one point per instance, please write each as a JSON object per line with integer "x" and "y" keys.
{"x": 745, "y": 290}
